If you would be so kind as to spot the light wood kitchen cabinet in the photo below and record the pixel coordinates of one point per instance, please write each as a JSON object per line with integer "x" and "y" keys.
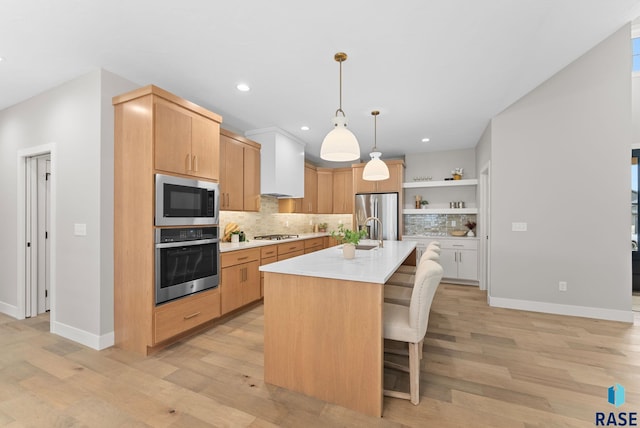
{"x": 268, "y": 255}
{"x": 343, "y": 191}
{"x": 329, "y": 241}
{"x": 239, "y": 173}
{"x": 181, "y": 315}
{"x": 239, "y": 279}
{"x": 325, "y": 191}
{"x": 391, "y": 184}
{"x": 152, "y": 129}
{"x": 287, "y": 250}
{"x": 290, "y": 205}
{"x": 310, "y": 200}
{"x": 313, "y": 244}
{"x": 185, "y": 142}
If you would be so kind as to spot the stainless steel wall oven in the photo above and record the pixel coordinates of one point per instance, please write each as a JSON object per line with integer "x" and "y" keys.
{"x": 187, "y": 260}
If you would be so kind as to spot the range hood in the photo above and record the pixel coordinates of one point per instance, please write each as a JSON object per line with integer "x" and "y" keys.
{"x": 281, "y": 162}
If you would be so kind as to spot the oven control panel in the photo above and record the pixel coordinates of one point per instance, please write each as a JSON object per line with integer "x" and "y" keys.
{"x": 186, "y": 234}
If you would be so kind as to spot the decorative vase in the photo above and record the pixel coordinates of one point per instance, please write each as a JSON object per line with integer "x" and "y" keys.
{"x": 470, "y": 233}
{"x": 457, "y": 176}
{"x": 349, "y": 251}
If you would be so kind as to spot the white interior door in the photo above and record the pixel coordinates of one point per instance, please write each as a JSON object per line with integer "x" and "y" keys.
{"x": 37, "y": 250}
{"x": 485, "y": 215}
{"x": 44, "y": 201}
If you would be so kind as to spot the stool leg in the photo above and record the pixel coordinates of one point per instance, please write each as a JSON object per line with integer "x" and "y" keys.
{"x": 414, "y": 372}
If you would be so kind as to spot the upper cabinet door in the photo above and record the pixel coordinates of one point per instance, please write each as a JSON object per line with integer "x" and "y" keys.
{"x": 172, "y": 138}
{"x": 251, "y": 179}
{"x": 232, "y": 178}
{"x": 343, "y": 191}
{"x": 185, "y": 142}
{"x": 205, "y": 148}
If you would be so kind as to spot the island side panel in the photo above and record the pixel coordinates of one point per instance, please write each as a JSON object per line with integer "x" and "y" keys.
{"x": 324, "y": 338}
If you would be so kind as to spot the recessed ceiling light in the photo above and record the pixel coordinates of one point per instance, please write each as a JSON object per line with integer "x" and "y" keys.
{"x": 304, "y": 128}
{"x": 243, "y": 87}
{"x": 425, "y": 140}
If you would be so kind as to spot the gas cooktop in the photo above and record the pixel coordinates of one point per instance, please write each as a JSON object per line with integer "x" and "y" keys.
{"x": 275, "y": 237}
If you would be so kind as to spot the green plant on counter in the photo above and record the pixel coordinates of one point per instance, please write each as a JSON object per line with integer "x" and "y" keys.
{"x": 424, "y": 203}
{"x": 348, "y": 236}
{"x": 323, "y": 225}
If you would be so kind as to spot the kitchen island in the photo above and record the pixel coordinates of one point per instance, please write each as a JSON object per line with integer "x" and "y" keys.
{"x": 323, "y": 332}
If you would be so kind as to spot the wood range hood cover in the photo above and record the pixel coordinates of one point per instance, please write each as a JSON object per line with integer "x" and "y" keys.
{"x": 281, "y": 162}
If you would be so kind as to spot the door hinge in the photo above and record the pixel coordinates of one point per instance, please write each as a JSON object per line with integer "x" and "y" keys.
{"x": 28, "y": 244}
{"x": 46, "y": 235}
{"x": 46, "y": 176}
{"x": 46, "y": 293}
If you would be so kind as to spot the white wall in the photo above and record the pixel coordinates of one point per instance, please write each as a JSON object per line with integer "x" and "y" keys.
{"x": 560, "y": 163}
{"x": 75, "y": 117}
{"x": 635, "y": 100}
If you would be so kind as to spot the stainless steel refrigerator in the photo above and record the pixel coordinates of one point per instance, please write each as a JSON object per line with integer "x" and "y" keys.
{"x": 384, "y": 206}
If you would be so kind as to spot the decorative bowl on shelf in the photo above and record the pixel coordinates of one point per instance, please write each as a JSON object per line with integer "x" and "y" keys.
{"x": 458, "y": 232}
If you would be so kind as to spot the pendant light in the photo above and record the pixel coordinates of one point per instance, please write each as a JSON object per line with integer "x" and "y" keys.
{"x": 375, "y": 169}
{"x": 340, "y": 145}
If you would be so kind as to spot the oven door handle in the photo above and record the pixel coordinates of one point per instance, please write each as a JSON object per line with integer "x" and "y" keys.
{"x": 186, "y": 243}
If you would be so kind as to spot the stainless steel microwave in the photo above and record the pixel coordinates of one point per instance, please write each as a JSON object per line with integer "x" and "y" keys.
{"x": 185, "y": 202}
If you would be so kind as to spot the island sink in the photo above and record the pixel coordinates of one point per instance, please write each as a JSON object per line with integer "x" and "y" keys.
{"x": 366, "y": 246}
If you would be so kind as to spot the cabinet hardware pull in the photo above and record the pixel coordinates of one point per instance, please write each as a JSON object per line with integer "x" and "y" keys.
{"x": 188, "y": 317}
{"x": 460, "y": 257}
{"x": 243, "y": 258}
{"x": 195, "y": 163}
{"x": 455, "y": 256}
{"x": 458, "y": 245}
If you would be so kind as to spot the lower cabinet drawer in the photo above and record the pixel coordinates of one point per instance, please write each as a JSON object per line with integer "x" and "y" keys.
{"x": 290, "y": 255}
{"x": 176, "y": 317}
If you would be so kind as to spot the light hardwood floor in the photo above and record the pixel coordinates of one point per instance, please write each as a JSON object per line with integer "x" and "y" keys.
{"x": 482, "y": 367}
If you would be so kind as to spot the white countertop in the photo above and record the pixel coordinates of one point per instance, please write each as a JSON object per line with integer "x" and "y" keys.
{"x": 253, "y": 243}
{"x": 410, "y": 237}
{"x": 375, "y": 265}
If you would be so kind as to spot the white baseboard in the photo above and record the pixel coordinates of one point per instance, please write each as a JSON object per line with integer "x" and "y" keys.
{"x": 559, "y": 309}
{"x": 85, "y": 338}
{"x": 8, "y": 309}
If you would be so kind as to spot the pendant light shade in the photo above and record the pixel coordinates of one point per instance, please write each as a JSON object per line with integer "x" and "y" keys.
{"x": 375, "y": 169}
{"x": 340, "y": 145}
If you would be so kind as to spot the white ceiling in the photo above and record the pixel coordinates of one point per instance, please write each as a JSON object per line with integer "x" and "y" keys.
{"x": 438, "y": 69}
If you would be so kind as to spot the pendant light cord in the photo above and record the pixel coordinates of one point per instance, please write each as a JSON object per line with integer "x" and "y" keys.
{"x": 375, "y": 114}
{"x": 340, "y": 57}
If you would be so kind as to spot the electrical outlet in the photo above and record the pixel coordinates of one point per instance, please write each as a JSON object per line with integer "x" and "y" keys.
{"x": 562, "y": 286}
{"x": 286, "y": 223}
{"x": 453, "y": 223}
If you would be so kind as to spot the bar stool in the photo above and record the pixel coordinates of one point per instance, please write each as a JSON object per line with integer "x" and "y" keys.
{"x": 409, "y": 324}
{"x": 405, "y": 275}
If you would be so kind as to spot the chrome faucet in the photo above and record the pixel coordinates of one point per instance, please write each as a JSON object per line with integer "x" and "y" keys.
{"x": 381, "y": 244}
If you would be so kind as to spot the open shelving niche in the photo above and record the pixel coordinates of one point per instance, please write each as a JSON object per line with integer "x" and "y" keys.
{"x": 440, "y": 184}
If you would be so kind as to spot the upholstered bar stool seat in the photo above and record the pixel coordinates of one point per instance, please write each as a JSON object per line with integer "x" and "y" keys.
{"x": 409, "y": 324}
{"x": 405, "y": 275}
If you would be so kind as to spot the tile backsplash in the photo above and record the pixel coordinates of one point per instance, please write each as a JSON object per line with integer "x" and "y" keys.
{"x": 435, "y": 224}
{"x": 269, "y": 221}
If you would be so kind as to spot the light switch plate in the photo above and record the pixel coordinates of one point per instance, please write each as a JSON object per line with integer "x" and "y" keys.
{"x": 518, "y": 227}
{"x": 80, "y": 229}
